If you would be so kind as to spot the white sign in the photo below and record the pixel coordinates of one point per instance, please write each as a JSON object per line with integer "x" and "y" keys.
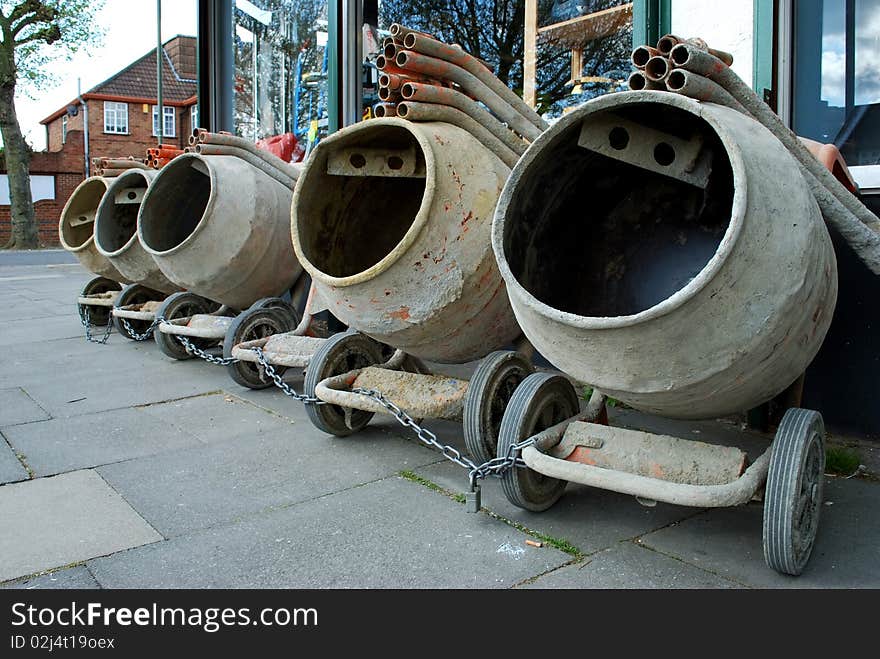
{"x": 42, "y": 187}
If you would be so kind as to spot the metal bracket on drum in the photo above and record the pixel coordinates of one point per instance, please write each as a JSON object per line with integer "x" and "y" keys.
{"x": 374, "y": 161}
{"x": 647, "y": 148}
{"x": 130, "y": 195}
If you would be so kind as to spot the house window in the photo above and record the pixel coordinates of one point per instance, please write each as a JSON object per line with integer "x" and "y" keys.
{"x": 194, "y": 117}
{"x": 168, "y": 127}
{"x": 64, "y": 129}
{"x": 115, "y": 117}
{"x": 836, "y": 77}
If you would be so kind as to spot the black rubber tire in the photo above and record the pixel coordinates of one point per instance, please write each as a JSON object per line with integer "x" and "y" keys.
{"x": 278, "y": 304}
{"x": 542, "y": 400}
{"x": 134, "y": 294}
{"x": 181, "y": 305}
{"x": 488, "y": 395}
{"x": 793, "y": 494}
{"x": 339, "y": 354}
{"x": 98, "y": 316}
{"x": 250, "y": 325}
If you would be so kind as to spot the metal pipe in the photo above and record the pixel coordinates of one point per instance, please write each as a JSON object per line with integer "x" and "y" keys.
{"x": 700, "y": 62}
{"x": 433, "y": 112}
{"x": 385, "y": 110}
{"x": 85, "y": 107}
{"x": 667, "y": 42}
{"x": 696, "y": 86}
{"x": 437, "y": 68}
{"x": 160, "y": 119}
{"x": 205, "y": 137}
{"x": 454, "y": 54}
{"x": 388, "y": 95}
{"x": 642, "y": 54}
{"x": 247, "y": 156}
{"x": 395, "y": 80}
{"x": 657, "y": 69}
{"x": 413, "y": 91}
{"x": 637, "y": 82}
{"x": 122, "y": 163}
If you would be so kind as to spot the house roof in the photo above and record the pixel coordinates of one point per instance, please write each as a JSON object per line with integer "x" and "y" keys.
{"x": 137, "y": 83}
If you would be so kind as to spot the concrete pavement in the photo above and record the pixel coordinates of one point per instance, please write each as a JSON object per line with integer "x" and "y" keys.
{"x": 122, "y": 468}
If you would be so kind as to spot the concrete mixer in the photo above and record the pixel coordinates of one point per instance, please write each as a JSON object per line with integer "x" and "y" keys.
{"x": 217, "y": 225}
{"x": 667, "y": 253}
{"x": 116, "y": 239}
{"x": 391, "y": 219}
{"x": 76, "y": 233}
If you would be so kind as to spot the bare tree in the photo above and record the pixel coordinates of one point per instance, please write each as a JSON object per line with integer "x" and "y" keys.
{"x": 33, "y": 33}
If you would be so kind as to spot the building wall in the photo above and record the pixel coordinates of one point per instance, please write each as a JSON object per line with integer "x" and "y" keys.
{"x": 729, "y": 27}
{"x": 67, "y": 168}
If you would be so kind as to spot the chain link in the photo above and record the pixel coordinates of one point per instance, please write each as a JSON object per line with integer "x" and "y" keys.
{"x": 494, "y": 467}
{"x": 192, "y": 349}
{"x": 85, "y": 319}
{"x": 281, "y": 384}
{"x": 132, "y": 333}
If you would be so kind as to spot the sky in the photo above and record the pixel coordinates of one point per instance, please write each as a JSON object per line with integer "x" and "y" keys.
{"x": 130, "y": 32}
{"x": 867, "y": 68}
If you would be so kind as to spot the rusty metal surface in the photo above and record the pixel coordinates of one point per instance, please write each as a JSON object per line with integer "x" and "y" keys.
{"x": 116, "y": 231}
{"x": 107, "y": 299}
{"x": 647, "y": 454}
{"x": 220, "y": 228}
{"x": 408, "y": 261}
{"x": 420, "y": 396}
{"x": 145, "y": 311}
{"x": 724, "y": 310}
{"x": 202, "y": 326}
{"x": 288, "y": 349}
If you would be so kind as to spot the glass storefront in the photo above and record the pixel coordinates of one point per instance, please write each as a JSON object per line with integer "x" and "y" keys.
{"x": 280, "y": 69}
{"x": 837, "y": 77}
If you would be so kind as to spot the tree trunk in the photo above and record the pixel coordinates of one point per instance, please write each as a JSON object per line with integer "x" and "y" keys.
{"x": 18, "y": 160}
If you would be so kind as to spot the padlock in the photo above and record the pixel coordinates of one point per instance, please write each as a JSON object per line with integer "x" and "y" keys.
{"x": 472, "y": 500}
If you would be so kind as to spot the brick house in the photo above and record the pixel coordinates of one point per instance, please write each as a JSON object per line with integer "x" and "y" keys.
{"x": 123, "y": 121}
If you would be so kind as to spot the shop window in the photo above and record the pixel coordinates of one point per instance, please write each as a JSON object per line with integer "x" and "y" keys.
{"x": 837, "y": 76}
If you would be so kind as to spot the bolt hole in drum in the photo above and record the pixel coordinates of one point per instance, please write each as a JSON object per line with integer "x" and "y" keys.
{"x": 623, "y": 238}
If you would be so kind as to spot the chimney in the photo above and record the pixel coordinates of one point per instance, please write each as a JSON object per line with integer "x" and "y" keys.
{"x": 182, "y": 53}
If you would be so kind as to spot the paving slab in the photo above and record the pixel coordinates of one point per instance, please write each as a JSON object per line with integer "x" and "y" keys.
{"x": 17, "y": 332}
{"x": 76, "y": 578}
{"x": 60, "y": 445}
{"x": 388, "y": 534}
{"x": 626, "y": 565}
{"x": 53, "y": 522}
{"x": 17, "y": 407}
{"x": 11, "y": 469}
{"x": 727, "y": 541}
{"x": 204, "y": 486}
{"x": 219, "y": 418}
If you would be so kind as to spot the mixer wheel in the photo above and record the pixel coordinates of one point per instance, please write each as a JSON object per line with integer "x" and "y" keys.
{"x": 278, "y": 304}
{"x": 134, "y": 294}
{"x": 488, "y": 395}
{"x": 181, "y": 305}
{"x": 541, "y": 401}
{"x": 251, "y": 325}
{"x": 339, "y": 354}
{"x": 793, "y": 494}
{"x": 99, "y": 316}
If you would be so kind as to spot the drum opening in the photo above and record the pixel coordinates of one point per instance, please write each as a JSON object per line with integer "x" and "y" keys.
{"x": 78, "y": 223}
{"x": 177, "y": 202}
{"x": 360, "y": 200}
{"x": 117, "y": 216}
{"x": 620, "y": 212}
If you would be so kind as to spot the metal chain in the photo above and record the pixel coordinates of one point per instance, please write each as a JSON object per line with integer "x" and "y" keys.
{"x": 494, "y": 467}
{"x": 148, "y": 333}
{"x": 85, "y": 319}
{"x": 281, "y": 384}
{"x": 192, "y": 349}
